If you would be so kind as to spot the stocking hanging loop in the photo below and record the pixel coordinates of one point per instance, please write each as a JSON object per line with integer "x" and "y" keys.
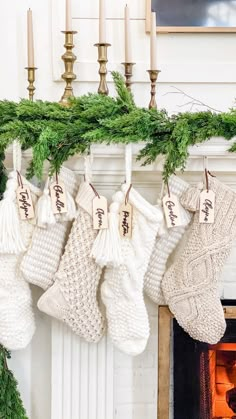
{"x": 88, "y": 162}
{"x": 128, "y": 163}
{"x": 17, "y": 156}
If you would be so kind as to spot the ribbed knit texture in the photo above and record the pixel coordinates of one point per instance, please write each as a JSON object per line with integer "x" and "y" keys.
{"x": 42, "y": 259}
{"x": 122, "y": 290}
{"x": 190, "y": 285}
{"x": 73, "y": 297}
{"x": 17, "y": 324}
{"x": 164, "y": 246}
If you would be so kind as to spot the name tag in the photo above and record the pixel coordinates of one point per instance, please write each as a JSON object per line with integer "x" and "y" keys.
{"x": 125, "y": 221}
{"x": 58, "y": 197}
{"x": 207, "y": 207}
{"x": 25, "y": 204}
{"x": 100, "y": 216}
{"x": 171, "y": 208}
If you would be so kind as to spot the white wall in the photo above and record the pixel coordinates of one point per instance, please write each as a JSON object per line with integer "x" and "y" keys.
{"x": 201, "y": 65}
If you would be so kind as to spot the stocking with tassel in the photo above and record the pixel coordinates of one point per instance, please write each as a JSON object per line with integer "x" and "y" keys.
{"x": 73, "y": 297}
{"x": 42, "y": 259}
{"x": 16, "y": 315}
{"x": 122, "y": 290}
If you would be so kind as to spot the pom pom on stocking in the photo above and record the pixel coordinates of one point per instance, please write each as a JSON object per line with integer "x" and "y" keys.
{"x": 122, "y": 290}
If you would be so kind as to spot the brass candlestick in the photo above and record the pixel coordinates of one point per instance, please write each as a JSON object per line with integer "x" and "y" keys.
{"x": 102, "y": 60}
{"x": 31, "y": 80}
{"x": 128, "y": 74}
{"x": 69, "y": 58}
{"x": 153, "y": 74}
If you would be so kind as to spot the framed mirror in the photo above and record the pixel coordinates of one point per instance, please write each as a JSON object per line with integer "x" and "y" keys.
{"x": 192, "y": 15}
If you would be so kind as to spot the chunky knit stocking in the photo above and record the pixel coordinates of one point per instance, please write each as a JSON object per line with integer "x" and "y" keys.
{"x": 16, "y": 315}
{"x": 73, "y": 297}
{"x": 122, "y": 290}
{"x": 164, "y": 246}
{"x": 190, "y": 285}
{"x": 41, "y": 261}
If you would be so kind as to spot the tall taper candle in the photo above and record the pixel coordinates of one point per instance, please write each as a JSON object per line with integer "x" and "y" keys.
{"x": 30, "y": 38}
{"x": 153, "y": 43}
{"x": 128, "y": 58}
{"x": 68, "y": 16}
{"x": 102, "y": 22}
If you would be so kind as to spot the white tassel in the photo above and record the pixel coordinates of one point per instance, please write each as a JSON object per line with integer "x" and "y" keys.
{"x": 10, "y": 231}
{"x": 71, "y": 209}
{"x": 107, "y": 246}
{"x": 44, "y": 213}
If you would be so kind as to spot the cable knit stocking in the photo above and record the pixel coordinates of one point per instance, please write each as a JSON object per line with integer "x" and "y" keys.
{"x": 42, "y": 259}
{"x": 190, "y": 285}
{"x": 164, "y": 246}
{"x": 73, "y": 297}
{"x": 122, "y": 290}
{"x": 16, "y": 315}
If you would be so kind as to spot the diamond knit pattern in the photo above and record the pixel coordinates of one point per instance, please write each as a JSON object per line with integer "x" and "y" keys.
{"x": 190, "y": 285}
{"x": 43, "y": 256}
{"x": 164, "y": 246}
{"x": 73, "y": 297}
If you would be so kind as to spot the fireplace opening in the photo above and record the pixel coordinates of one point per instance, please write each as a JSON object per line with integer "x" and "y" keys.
{"x": 204, "y": 376}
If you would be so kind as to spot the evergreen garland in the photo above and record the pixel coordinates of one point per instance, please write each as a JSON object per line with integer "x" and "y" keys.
{"x": 55, "y": 133}
{"x": 11, "y": 406}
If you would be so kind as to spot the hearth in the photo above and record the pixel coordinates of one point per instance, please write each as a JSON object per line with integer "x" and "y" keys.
{"x": 204, "y": 376}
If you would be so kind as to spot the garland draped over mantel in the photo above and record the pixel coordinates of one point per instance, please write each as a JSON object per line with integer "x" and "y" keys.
{"x": 55, "y": 133}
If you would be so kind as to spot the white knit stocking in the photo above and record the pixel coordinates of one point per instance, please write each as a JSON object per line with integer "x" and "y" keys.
{"x": 42, "y": 259}
{"x": 164, "y": 246}
{"x": 16, "y": 315}
{"x": 190, "y": 285}
{"x": 122, "y": 290}
{"x": 73, "y": 297}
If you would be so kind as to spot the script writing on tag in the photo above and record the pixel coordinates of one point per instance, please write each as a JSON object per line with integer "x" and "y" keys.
{"x": 125, "y": 220}
{"x": 171, "y": 208}
{"x": 25, "y": 204}
{"x": 207, "y": 207}
{"x": 100, "y": 216}
{"x": 58, "y": 197}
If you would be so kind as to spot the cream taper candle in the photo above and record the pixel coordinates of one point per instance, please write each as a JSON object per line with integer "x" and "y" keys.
{"x": 153, "y": 43}
{"x": 102, "y": 22}
{"x": 30, "y": 38}
{"x": 68, "y": 16}
{"x": 128, "y": 57}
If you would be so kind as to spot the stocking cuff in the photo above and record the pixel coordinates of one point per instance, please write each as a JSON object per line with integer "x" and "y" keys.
{"x": 151, "y": 212}
{"x": 85, "y": 197}
{"x": 178, "y": 187}
{"x": 70, "y": 179}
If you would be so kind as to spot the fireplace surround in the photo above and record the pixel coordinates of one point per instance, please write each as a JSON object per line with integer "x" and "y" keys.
{"x": 204, "y": 376}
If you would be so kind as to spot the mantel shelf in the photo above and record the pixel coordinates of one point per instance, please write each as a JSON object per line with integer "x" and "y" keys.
{"x": 110, "y": 159}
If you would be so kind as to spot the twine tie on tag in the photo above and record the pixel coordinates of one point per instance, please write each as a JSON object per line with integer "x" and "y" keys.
{"x": 19, "y": 179}
{"x": 94, "y": 190}
{"x": 127, "y": 194}
{"x": 207, "y": 180}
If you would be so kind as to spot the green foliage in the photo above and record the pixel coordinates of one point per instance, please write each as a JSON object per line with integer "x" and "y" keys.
{"x": 11, "y": 406}
{"x": 55, "y": 133}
